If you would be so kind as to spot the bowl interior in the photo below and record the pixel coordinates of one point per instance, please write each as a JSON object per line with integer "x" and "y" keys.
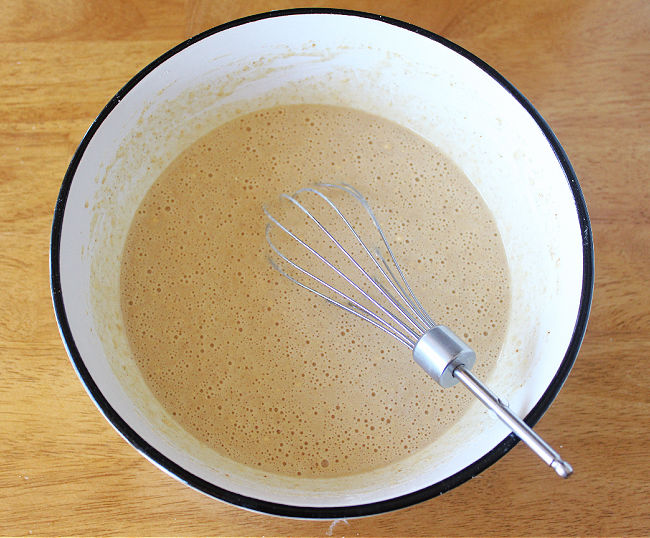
{"x": 337, "y": 59}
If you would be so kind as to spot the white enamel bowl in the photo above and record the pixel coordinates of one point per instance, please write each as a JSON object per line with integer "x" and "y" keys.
{"x": 367, "y": 62}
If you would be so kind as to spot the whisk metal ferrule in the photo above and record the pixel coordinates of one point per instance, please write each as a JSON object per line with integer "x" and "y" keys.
{"x": 439, "y": 352}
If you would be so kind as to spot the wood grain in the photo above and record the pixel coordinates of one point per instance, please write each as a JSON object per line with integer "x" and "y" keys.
{"x": 64, "y": 470}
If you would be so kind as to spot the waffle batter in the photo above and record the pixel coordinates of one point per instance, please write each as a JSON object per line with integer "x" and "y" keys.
{"x": 265, "y": 373}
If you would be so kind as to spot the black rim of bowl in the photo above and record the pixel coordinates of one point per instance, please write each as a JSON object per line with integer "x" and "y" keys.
{"x": 318, "y": 512}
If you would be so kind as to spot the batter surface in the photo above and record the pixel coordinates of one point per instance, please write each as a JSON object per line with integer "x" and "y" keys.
{"x": 264, "y": 372}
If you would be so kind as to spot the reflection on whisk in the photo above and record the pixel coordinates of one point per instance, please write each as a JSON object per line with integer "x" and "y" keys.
{"x": 338, "y": 256}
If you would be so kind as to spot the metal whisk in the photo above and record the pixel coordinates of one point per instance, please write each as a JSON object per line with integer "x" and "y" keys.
{"x": 381, "y": 295}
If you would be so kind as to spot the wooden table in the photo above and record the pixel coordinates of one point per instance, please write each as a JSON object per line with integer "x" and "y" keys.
{"x": 64, "y": 470}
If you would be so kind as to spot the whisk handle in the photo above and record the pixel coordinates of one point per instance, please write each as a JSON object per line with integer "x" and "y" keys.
{"x": 518, "y": 426}
{"x": 447, "y": 359}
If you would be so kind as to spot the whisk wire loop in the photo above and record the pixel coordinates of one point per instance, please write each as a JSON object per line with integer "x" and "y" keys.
{"x": 402, "y": 327}
{"x": 353, "y": 307}
{"x": 411, "y": 299}
{"x": 418, "y": 323}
